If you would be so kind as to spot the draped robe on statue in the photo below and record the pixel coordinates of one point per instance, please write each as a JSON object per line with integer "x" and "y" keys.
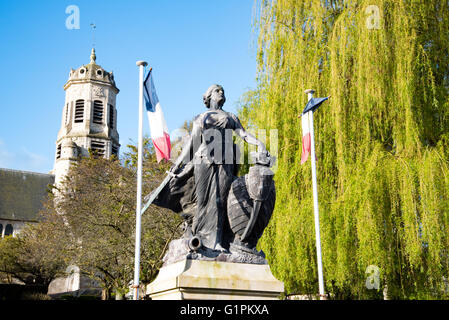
{"x": 200, "y": 188}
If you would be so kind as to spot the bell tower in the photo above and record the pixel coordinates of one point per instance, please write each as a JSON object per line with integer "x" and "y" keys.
{"x": 89, "y": 117}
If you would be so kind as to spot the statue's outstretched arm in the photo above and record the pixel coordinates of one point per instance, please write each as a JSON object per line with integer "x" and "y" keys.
{"x": 249, "y": 138}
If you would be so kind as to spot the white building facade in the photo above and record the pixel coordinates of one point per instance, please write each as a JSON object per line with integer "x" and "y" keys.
{"x": 89, "y": 117}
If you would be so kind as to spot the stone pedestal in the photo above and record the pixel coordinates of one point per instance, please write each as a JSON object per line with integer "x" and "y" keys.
{"x": 212, "y": 280}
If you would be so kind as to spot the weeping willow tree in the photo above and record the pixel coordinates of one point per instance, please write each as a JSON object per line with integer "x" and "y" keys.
{"x": 382, "y": 143}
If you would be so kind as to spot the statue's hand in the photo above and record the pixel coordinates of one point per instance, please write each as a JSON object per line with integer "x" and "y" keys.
{"x": 175, "y": 168}
{"x": 170, "y": 173}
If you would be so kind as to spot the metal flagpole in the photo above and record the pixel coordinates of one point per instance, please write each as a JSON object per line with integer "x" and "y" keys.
{"x": 310, "y": 93}
{"x": 141, "y": 65}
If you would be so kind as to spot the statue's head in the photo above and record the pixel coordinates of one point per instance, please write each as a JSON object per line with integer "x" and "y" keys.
{"x": 214, "y": 97}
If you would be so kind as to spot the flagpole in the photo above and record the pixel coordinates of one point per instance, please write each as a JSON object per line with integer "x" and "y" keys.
{"x": 310, "y": 93}
{"x": 141, "y": 65}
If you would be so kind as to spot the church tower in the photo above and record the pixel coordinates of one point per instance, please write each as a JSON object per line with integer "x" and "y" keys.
{"x": 89, "y": 117}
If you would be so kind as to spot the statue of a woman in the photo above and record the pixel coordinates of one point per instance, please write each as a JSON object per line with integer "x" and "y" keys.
{"x": 202, "y": 182}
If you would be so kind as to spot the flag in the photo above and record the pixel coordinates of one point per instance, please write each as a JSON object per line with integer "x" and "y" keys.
{"x": 158, "y": 126}
{"x": 306, "y": 139}
{"x": 311, "y": 106}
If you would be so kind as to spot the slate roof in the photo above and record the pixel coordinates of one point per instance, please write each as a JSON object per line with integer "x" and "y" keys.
{"x": 22, "y": 193}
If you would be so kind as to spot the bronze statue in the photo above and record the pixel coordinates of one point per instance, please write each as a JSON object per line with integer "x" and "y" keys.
{"x": 203, "y": 188}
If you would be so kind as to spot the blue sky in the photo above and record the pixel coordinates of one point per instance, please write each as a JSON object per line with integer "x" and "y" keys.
{"x": 189, "y": 44}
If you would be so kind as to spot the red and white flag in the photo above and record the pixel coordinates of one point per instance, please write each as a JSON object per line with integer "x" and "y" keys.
{"x": 307, "y": 115}
{"x": 158, "y": 126}
{"x": 306, "y": 138}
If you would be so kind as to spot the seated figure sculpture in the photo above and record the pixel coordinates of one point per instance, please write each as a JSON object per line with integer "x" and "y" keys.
{"x": 225, "y": 215}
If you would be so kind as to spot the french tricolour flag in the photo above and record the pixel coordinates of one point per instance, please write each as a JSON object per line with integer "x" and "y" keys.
{"x": 158, "y": 126}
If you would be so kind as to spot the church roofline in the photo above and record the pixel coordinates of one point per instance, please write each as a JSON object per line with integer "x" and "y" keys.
{"x": 92, "y": 73}
{"x": 26, "y": 172}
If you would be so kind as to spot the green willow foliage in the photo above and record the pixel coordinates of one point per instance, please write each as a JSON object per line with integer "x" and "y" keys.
{"x": 382, "y": 143}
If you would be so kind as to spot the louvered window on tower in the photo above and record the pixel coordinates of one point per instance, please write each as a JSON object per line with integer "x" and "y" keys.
{"x": 98, "y": 112}
{"x": 58, "y": 152}
{"x": 98, "y": 148}
{"x": 79, "y": 111}
{"x": 111, "y": 116}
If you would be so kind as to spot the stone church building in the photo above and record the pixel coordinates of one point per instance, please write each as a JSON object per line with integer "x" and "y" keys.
{"x": 89, "y": 117}
{"x": 89, "y": 124}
